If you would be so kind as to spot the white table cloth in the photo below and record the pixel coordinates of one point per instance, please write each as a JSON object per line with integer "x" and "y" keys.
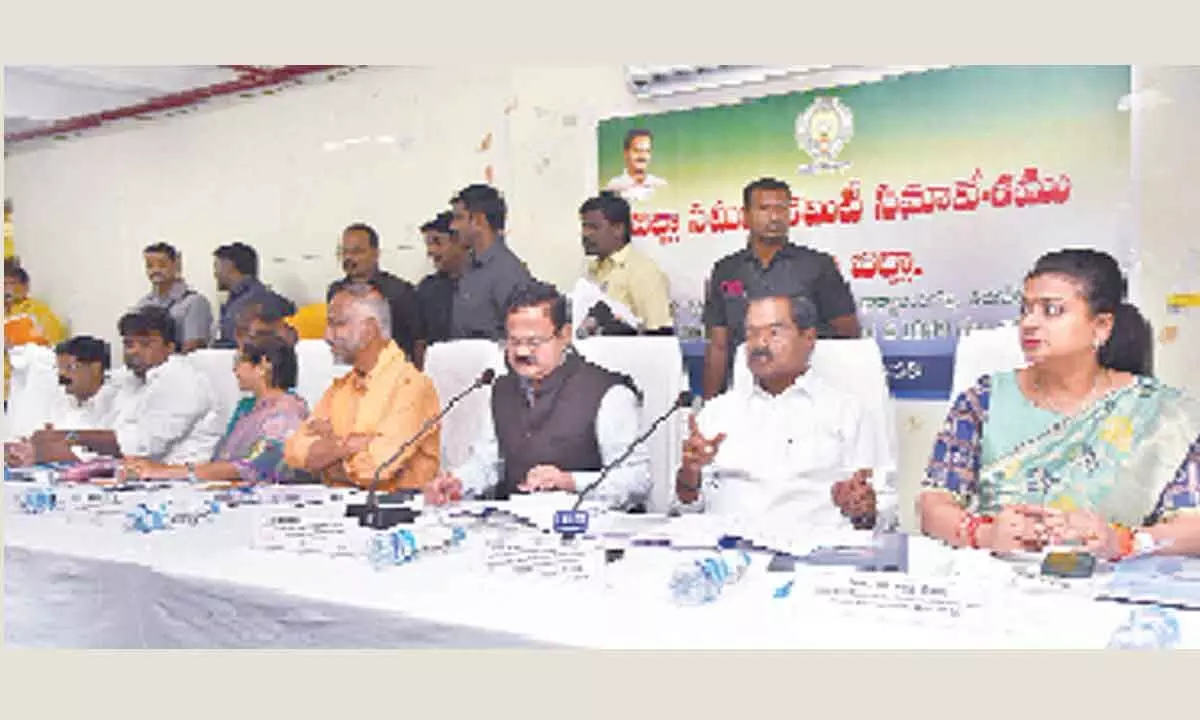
{"x": 75, "y": 584}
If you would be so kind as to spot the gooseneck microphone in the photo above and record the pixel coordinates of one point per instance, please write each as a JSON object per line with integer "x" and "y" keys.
{"x": 369, "y": 513}
{"x": 684, "y": 400}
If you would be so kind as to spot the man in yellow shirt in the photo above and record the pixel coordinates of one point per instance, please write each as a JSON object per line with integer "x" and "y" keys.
{"x": 368, "y": 413}
{"x": 623, "y": 272}
{"x": 26, "y": 320}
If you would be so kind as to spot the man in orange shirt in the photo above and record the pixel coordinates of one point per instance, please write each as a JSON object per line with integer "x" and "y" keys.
{"x": 368, "y": 413}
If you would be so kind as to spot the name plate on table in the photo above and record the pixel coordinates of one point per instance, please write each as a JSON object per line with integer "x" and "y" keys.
{"x": 539, "y": 555}
{"x": 570, "y": 522}
{"x": 894, "y": 595}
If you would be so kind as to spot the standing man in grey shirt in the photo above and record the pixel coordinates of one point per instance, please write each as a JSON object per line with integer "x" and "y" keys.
{"x": 189, "y": 309}
{"x": 772, "y": 265}
{"x": 493, "y": 272}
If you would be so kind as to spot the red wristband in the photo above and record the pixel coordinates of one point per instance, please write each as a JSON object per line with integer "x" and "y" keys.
{"x": 971, "y": 528}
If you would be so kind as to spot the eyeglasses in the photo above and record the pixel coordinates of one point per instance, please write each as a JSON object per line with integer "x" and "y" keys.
{"x": 533, "y": 343}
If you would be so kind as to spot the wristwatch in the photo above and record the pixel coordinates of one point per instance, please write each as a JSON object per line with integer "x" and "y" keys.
{"x": 1143, "y": 542}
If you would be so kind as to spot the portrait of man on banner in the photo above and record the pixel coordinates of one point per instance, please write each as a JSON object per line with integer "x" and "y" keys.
{"x": 636, "y": 184}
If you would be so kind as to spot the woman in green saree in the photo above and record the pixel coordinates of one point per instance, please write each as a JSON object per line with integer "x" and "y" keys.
{"x": 1083, "y": 446}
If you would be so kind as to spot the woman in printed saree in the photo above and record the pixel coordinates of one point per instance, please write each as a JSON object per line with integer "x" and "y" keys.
{"x": 252, "y": 448}
{"x": 1081, "y": 447}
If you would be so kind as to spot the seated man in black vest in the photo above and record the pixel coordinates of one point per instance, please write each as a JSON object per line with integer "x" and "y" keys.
{"x": 557, "y": 419}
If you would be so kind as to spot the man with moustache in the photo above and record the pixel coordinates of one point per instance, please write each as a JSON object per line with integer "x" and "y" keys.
{"x": 636, "y": 183}
{"x": 368, "y": 413}
{"x": 769, "y": 264}
{"x": 86, "y": 400}
{"x": 164, "y": 410}
{"x": 623, "y": 272}
{"x": 189, "y": 309}
{"x": 436, "y": 290}
{"x": 790, "y": 447}
{"x": 359, "y": 251}
{"x": 557, "y": 419}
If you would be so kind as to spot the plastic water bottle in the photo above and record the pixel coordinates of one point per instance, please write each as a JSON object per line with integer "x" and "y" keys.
{"x": 702, "y": 580}
{"x": 394, "y": 547}
{"x": 1148, "y": 628}
{"x": 147, "y": 519}
{"x": 38, "y": 500}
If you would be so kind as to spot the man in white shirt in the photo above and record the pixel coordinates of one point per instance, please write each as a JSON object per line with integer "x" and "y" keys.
{"x": 164, "y": 410}
{"x": 790, "y": 447}
{"x": 636, "y": 184}
{"x": 557, "y": 419}
{"x": 82, "y": 400}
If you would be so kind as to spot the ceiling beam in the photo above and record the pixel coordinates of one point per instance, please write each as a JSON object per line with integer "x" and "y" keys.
{"x": 261, "y": 79}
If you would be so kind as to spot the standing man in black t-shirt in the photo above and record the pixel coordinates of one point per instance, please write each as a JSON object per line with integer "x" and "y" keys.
{"x": 359, "y": 252}
{"x": 449, "y": 257}
{"x": 769, "y": 264}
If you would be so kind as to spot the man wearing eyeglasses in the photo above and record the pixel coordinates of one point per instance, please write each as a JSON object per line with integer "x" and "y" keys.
{"x": 84, "y": 400}
{"x": 557, "y": 419}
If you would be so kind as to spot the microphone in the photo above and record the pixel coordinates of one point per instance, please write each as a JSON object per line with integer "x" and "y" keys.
{"x": 684, "y": 400}
{"x": 369, "y": 513}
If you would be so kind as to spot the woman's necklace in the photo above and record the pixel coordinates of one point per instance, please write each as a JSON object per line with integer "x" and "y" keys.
{"x": 1043, "y": 401}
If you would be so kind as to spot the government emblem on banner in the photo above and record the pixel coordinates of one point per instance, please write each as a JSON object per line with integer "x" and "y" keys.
{"x": 822, "y": 131}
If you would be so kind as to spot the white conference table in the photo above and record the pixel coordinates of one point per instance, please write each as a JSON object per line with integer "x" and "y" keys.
{"x": 71, "y": 583}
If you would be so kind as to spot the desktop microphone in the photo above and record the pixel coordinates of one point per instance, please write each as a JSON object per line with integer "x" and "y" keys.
{"x": 369, "y": 513}
{"x": 684, "y": 400}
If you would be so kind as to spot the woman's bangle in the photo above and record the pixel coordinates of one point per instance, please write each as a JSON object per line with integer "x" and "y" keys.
{"x": 970, "y": 528}
{"x": 1125, "y": 541}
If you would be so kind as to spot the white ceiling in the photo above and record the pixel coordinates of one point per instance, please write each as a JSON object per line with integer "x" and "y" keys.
{"x": 40, "y": 95}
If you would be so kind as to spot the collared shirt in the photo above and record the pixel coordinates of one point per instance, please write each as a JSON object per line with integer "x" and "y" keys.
{"x": 66, "y": 412}
{"x": 782, "y": 453}
{"x": 436, "y": 291}
{"x": 618, "y": 422}
{"x": 191, "y": 311}
{"x": 393, "y": 400}
{"x": 172, "y": 416}
{"x": 408, "y": 327}
{"x": 793, "y": 270}
{"x": 247, "y": 292}
{"x": 481, "y": 299}
{"x": 631, "y": 278}
{"x": 629, "y": 188}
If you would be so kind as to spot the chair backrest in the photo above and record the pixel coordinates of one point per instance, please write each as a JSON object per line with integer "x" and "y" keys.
{"x": 217, "y": 366}
{"x": 656, "y": 366}
{"x": 315, "y": 370}
{"x": 985, "y": 351}
{"x": 33, "y": 387}
{"x": 453, "y": 366}
{"x": 854, "y": 366}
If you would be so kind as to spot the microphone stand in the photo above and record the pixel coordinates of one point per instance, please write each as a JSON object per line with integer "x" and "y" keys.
{"x": 684, "y": 400}
{"x": 370, "y": 514}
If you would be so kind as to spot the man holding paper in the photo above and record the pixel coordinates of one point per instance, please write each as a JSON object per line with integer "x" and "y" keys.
{"x": 624, "y": 273}
{"x": 792, "y": 445}
{"x": 557, "y": 419}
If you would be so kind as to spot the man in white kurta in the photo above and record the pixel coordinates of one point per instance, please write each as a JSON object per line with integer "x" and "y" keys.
{"x": 790, "y": 447}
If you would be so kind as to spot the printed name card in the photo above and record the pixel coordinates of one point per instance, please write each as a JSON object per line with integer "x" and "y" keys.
{"x": 904, "y": 596}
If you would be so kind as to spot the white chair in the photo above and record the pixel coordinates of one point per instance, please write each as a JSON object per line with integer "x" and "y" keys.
{"x": 655, "y": 365}
{"x": 316, "y": 370}
{"x": 453, "y": 366}
{"x": 985, "y": 351}
{"x": 33, "y": 387}
{"x": 217, "y": 366}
